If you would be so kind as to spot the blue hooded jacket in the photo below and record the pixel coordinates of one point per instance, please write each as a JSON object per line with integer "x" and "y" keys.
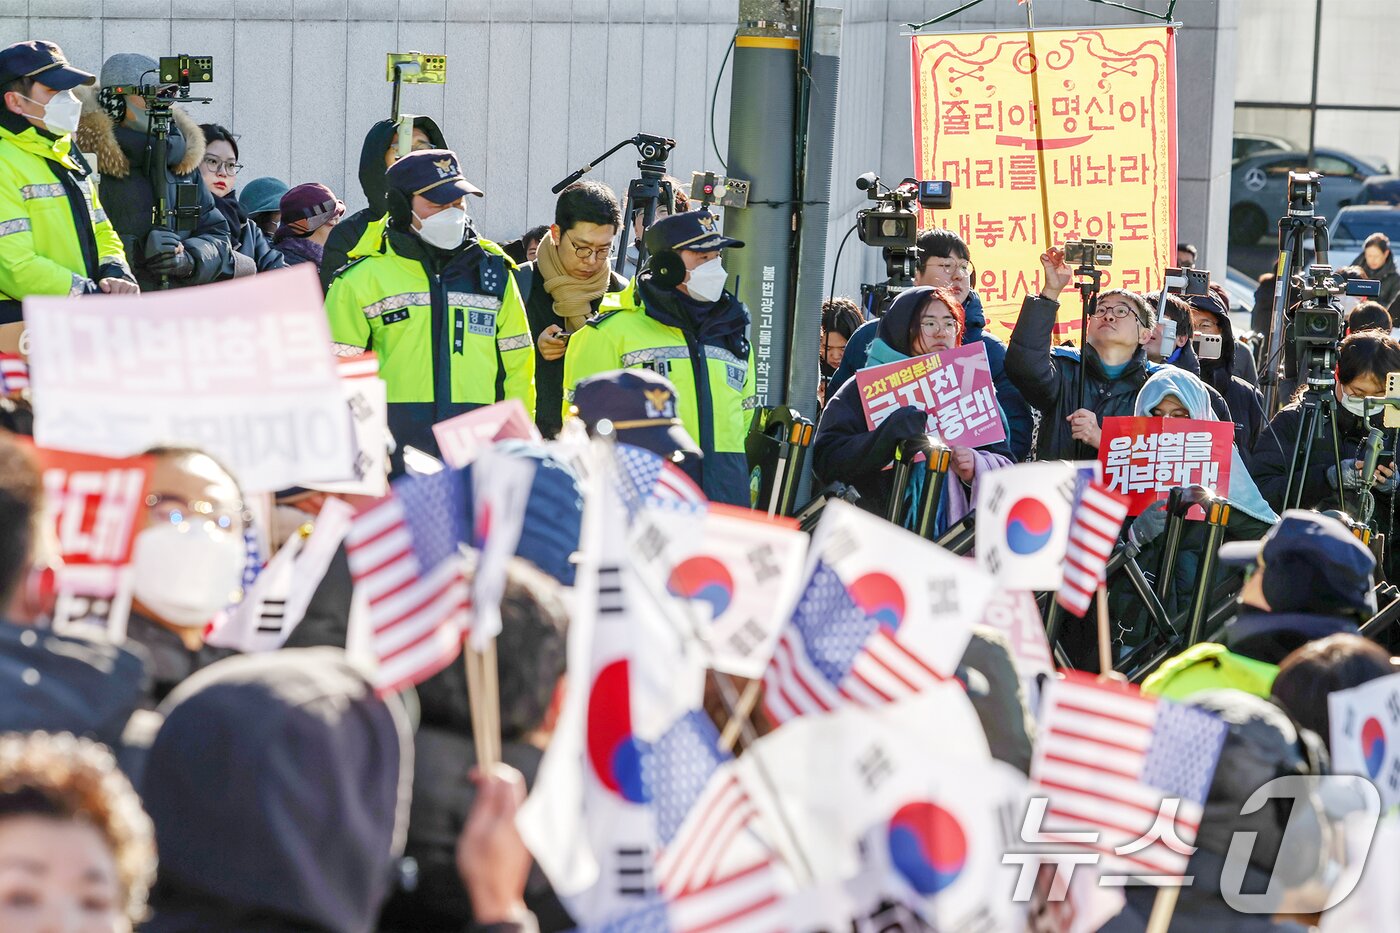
{"x": 1019, "y": 424}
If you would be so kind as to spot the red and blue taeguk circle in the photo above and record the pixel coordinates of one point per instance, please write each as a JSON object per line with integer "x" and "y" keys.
{"x": 928, "y": 846}
{"x": 1373, "y": 746}
{"x": 1028, "y": 526}
{"x": 705, "y": 579}
{"x": 613, "y": 751}
{"x": 880, "y": 597}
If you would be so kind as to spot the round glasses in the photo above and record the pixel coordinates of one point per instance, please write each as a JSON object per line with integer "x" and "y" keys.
{"x": 1113, "y": 313}
{"x": 953, "y": 268}
{"x": 585, "y": 253}
{"x": 939, "y": 326}
{"x": 219, "y": 167}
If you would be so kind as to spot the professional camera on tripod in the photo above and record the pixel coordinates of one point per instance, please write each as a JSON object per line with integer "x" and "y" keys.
{"x": 893, "y": 225}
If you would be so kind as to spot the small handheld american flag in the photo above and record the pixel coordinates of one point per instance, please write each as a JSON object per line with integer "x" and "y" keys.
{"x": 1129, "y": 771}
{"x": 404, "y": 553}
{"x": 1097, "y": 519}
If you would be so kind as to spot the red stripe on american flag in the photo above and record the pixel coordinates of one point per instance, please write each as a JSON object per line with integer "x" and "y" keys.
{"x": 417, "y": 607}
{"x": 428, "y": 632}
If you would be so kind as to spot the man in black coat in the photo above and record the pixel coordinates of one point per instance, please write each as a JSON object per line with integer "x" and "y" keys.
{"x": 1113, "y": 364}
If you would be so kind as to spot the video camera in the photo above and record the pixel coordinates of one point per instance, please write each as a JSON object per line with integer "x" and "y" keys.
{"x": 893, "y": 225}
{"x": 894, "y": 222}
{"x": 180, "y": 71}
{"x": 1313, "y": 327}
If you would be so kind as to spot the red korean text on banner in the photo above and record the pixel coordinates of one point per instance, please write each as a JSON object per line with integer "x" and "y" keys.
{"x": 1145, "y": 458}
{"x": 95, "y": 504}
{"x": 953, "y": 386}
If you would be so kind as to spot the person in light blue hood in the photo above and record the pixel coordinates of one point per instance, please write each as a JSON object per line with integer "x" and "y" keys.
{"x": 1175, "y": 393}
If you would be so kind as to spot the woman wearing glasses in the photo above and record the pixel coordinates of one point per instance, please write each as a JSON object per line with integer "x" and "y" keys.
{"x": 921, "y": 321}
{"x": 251, "y": 250}
{"x": 118, "y": 126}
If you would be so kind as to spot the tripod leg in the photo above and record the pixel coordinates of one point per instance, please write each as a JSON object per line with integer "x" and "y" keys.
{"x": 1337, "y": 454}
{"x": 1293, "y": 475}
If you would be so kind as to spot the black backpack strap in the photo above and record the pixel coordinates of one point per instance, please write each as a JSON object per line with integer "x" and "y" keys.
{"x": 524, "y": 281}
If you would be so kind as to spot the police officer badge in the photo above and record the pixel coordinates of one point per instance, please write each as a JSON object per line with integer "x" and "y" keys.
{"x": 660, "y": 403}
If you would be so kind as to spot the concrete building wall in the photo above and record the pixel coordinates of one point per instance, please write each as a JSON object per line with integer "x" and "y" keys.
{"x": 537, "y": 88}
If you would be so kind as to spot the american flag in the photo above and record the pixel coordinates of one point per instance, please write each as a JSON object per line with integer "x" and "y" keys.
{"x": 1131, "y": 770}
{"x": 700, "y": 806}
{"x": 1097, "y": 519}
{"x": 647, "y": 479}
{"x": 404, "y": 554}
{"x": 14, "y": 373}
{"x": 833, "y": 653}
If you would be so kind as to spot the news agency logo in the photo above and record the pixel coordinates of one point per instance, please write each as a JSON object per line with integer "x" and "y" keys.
{"x": 1320, "y": 812}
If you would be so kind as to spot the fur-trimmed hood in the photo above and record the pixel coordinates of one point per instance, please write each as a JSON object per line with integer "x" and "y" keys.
{"x": 98, "y": 133}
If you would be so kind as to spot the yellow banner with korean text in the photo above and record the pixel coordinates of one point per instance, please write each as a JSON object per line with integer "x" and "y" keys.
{"x": 1050, "y": 136}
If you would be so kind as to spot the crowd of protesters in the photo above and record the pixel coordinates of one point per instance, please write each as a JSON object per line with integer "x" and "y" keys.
{"x": 160, "y": 781}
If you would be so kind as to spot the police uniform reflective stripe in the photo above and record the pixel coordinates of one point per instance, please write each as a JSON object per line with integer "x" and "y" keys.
{"x": 374, "y": 310}
{"x": 30, "y": 192}
{"x": 42, "y": 251}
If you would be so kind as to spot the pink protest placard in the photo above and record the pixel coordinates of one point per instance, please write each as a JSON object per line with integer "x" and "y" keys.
{"x": 241, "y": 369}
{"x": 953, "y": 386}
{"x": 1145, "y": 458}
{"x": 462, "y": 438}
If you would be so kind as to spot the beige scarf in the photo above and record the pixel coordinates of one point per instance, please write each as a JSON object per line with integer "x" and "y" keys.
{"x": 573, "y": 298}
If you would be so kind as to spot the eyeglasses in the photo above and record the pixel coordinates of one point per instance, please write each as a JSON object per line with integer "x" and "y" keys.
{"x": 940, "y": 326}
{"x": 179, "y": 511}
{"x": 586, "y": 253}
{"x": 953, "y": 268}
{"x": 1112, "y": 312}
{"x": 213, "y": 164}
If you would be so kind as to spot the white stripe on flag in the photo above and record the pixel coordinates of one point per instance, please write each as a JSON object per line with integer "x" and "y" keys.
{"x": 745, "y": 901}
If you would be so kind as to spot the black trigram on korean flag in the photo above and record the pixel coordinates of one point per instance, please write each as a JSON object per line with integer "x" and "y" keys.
{"x": 610, "y": 601}
{"x": 271, "y": 616}
{"x": 634, "y": 872}
{"x": 996, "y": 498}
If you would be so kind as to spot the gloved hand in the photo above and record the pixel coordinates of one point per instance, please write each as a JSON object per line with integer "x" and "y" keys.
{"x": 166, "y": 255}
{"x": 1351, "y": 476}
{"x": 1151, "y": 523}
{"x": 908, "y": 422}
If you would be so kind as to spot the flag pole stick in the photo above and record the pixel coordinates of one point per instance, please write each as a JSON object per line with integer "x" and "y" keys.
{"x": 483, "y": 697}
{"x": 1163, "y": 906}
{"x": 740, "y": 715}
{"x": 1105, "y": 640}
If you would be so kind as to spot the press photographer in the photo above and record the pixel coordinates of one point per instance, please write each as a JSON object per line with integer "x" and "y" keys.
{"x": 59, "y": 243}
{"x": 123, "y": 123}
{"x": 1363, "y": 362}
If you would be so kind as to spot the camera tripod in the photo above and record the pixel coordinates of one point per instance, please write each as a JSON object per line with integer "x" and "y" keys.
{"x": 185, "y": 215}
{"x": 899, "y": 268}
{"x": 1318, "y": 407}
{"x": 643, "y": 194}
{"x": 1291, "y": 255}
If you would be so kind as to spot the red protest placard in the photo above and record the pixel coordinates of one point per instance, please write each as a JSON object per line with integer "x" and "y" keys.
{"x": 953, "y": 386}
{"x": 94, "y": 504}
{"x": 1145, "y": 458}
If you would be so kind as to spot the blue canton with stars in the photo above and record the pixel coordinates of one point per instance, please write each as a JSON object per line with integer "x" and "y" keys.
{"x": 832, "y": 626}
{"x": 678, "y": 768}
{"x": 1183, "y": 752}
{"x": 435, "y": 512}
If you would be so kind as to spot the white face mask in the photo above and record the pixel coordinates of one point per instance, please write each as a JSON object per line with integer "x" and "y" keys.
{"x": 187, "y": 573}
{"x": 1354, "y": 405}
{"x": 446, "y": 229}
{"x": 60, "y": 113}
{"x": 706, "y": 281}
